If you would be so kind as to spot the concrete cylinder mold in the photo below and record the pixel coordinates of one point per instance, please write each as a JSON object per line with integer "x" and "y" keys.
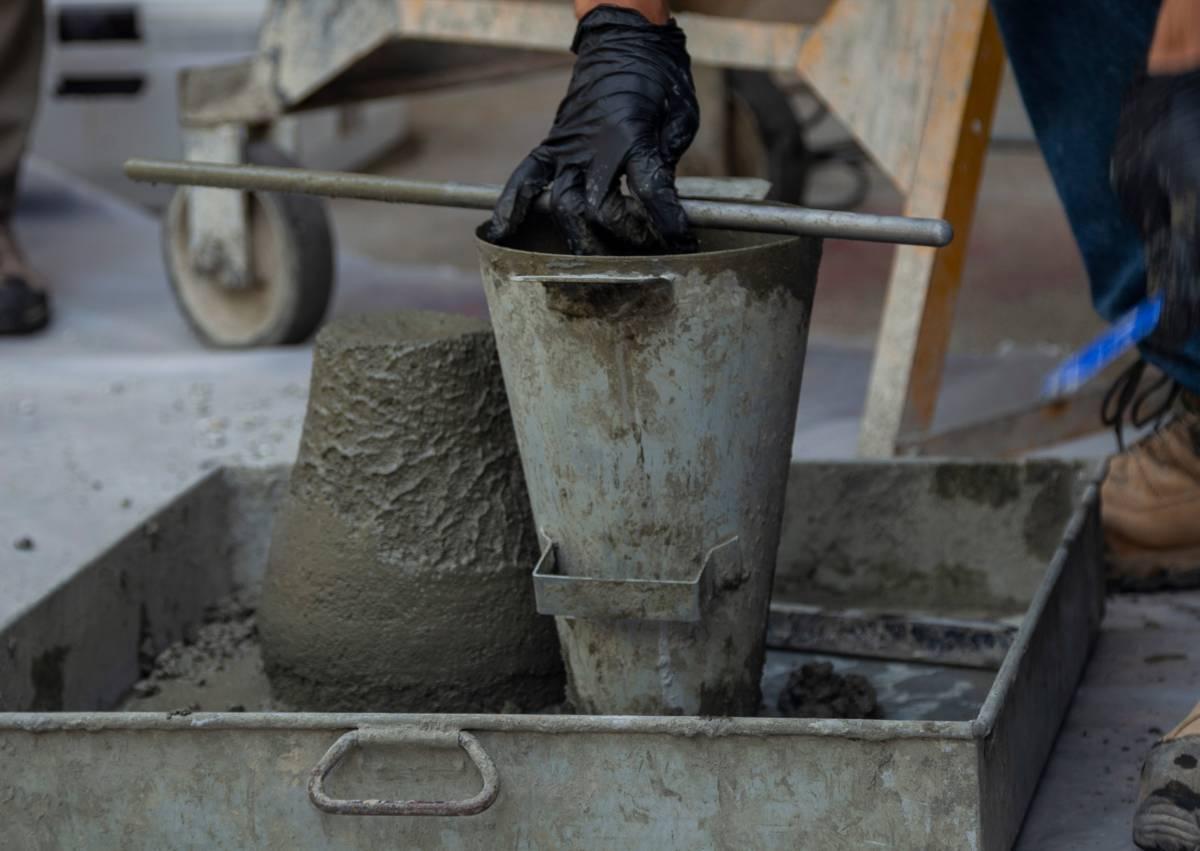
{"x": 654, "y": 400}
{"x": 398, "y": 576}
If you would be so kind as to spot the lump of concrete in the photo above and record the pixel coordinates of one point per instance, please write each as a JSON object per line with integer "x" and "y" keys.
{"x": 816, "y": 691}
{"x": 399, "y": 578}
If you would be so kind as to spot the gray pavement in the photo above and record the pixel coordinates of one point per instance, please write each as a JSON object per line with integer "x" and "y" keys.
{"x": 117, "y": 408}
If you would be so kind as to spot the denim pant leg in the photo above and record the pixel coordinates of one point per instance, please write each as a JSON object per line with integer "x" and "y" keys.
{"x": 21, "y": 27}
{"x": 1073, "y": 60}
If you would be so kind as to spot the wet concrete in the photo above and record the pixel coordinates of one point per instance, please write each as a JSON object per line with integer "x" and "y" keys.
{"x": 815, "y": 691}
{"x": 218, "y": 668}
{"x": 210, "y": 673}
{"x": 399, "y": 569}
{"x": 904, "y": 691}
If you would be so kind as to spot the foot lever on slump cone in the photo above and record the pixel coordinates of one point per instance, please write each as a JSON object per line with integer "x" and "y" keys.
{"x": 680, "y": 601}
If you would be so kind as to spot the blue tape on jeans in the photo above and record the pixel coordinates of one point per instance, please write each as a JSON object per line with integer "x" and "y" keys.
{"x": 1088, "y": 362}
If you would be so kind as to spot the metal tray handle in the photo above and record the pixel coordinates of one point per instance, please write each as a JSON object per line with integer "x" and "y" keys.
{"x": 377, "y": 807}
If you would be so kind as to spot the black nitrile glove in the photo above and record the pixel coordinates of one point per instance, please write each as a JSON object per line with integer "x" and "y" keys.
{"x": 1156, "y": 174}
{"x": 630, "y": 110}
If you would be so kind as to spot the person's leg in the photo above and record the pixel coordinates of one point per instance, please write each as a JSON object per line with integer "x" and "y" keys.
{"x": 23, "y": 305}
{"x": 1073, "y": 66}
{"x": 20, "y": 73}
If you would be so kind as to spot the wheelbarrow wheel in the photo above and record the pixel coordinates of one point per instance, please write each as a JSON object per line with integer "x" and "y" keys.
{"x": 767, "y": 136}
{"x": 291, "y": 269}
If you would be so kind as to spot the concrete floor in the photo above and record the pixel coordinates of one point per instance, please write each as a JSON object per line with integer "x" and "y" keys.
{"x": 117, "y": 407}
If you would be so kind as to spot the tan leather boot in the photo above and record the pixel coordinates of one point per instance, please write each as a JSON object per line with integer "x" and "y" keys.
{"x": 1150, "y": 502}
{"x": 1168, "y": 813}
{"x": 24, "y": 307}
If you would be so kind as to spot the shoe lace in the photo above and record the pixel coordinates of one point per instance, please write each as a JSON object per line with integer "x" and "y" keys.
{"x": 1126, "y": 401}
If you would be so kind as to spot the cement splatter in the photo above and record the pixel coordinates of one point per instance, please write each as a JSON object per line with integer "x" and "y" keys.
{"x": 815, "y": 691}
{"x": 215, "y": 669}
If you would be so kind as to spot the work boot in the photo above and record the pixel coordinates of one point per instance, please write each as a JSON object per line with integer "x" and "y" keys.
{"x": 1168, "y": 813}
{"x": 1150, "y": 503}
{"x": 24, "y": 307}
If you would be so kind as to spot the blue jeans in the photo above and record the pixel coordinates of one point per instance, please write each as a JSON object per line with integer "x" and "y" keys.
{"x": 1073, "y": 65}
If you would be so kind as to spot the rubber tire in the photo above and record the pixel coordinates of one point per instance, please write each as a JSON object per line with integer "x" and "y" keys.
{"x": 304, "y": 265}
{"x": 779, "y": 131}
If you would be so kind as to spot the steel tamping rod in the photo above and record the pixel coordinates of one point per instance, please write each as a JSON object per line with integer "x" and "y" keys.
{"x": 730, "y": 215}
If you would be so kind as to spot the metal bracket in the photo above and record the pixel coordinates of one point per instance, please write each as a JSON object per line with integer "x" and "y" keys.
{"x": 218, "y": 226}
{"x": 680, "y": 601}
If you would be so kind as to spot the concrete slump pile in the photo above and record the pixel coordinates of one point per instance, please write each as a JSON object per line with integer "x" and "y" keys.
{"x": 398, "y": 577}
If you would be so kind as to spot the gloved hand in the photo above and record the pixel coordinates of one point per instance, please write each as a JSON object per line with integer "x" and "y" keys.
{"x": 1156, "y": 174}
{"x": 630, "y": 110}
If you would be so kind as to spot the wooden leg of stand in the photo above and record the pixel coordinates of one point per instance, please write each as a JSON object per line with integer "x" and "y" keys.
{"x": 915, "y": 333}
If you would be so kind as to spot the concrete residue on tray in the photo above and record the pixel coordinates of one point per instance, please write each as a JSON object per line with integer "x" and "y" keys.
{"x": 399, "y": 570}
{"x": 218, "y": 668}
{"x": 815, "y": 691}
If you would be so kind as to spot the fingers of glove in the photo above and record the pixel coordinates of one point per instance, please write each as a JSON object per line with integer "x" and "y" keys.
{"x": 522, "y": 189}
{"x": 654, "y": 184}
{"x": 624, "y": 218}
{"x": 609, "y": 151}
{"x": 570, "y": 210}
{"x": 680, "y": 129}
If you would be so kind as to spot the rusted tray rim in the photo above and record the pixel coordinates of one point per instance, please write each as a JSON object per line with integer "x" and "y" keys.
{"x": 869, "y": 730}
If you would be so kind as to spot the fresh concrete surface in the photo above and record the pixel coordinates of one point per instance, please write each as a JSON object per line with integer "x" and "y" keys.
{"x": 406, "y": 534}
{"x": 118, "y": 402}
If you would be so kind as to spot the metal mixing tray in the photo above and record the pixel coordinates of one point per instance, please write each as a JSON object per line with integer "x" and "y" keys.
{"x": 970, "y": 593}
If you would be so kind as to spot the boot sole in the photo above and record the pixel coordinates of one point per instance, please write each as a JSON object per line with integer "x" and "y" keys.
{"x": 1164, "y": 573}
{"x": 1162, "y": 825}
{"x": 32, "y": 322}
